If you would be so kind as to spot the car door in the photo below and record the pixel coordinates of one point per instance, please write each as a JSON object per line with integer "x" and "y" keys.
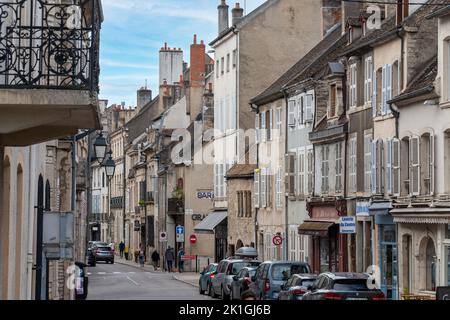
{"x": 258, "y": 277}
{"x": 235, "y": 285}
{"x": 284, "y": 293}
{"x": 204, "y": 277}
{"x": 216, "y": 280}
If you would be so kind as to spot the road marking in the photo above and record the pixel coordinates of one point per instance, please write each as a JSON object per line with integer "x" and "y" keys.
{"x": 133, "y": 281}
{"x": 89, "y": 273}
{"x": 117, "y": 272}
{"x": 101, "y": 273}
{"x": 132, "y": 272}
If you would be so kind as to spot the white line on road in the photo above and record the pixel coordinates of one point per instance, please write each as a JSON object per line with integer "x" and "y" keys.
{"x": 117, "y": 272}
{"x": 101, "y": 273}
{"x": 133, "y": 281}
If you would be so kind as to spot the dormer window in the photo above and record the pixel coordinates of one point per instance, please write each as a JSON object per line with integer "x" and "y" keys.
{"x": 402, "y": 10}
{"x": 364, "y": 28}
{"x": 333, "y": 101}
{"x": 350, "y": 35}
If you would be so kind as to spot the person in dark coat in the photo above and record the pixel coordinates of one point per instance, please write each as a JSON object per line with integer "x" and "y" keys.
{"x": 180, "y": 260}
{"x": 121, "y": 248}
{"x": 155, "y": 259}
{"x": 170, "y": 257}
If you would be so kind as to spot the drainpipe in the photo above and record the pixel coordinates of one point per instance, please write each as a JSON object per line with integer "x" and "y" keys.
{"x": 2, "y": 152}
{"x": 256, "y": 109}
{"x": 286, "y": 200}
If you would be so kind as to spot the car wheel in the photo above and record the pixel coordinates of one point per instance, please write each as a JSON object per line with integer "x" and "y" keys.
{"x": 200, "y": 289}
{"x": 112, "y": 261}
{"x": 223, "y": 295}
{"x": 212, "y": 293}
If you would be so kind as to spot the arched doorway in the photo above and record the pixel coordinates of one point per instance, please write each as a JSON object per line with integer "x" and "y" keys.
{"x": 4, "y": 227}
{"x": 18, "y": 240}
{"x": 239, "y": 244}
{"x": 427, "y": 264}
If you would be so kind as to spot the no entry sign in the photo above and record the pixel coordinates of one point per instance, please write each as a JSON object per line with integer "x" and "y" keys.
{"x": 193, "y": 239}
{"x": 277, "y": 240}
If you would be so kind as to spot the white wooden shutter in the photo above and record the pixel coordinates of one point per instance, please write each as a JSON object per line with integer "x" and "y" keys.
{"x": 389, "y": 167}
{"x": 432, "y": 164}
{"x": 309, "y": 108}
{"x": 374, "y": 167}
{"x": 383, "y": 91}
{"x": 291, "y": 113}
{"x": 257, "y": 128}
{"x": 396, "y": 167}
{"x": 374, "y": 94}
{"x": 310, "y": 171}
{"x": 414, "y": 148}
{"x": 269, "y": 130}
{"x": 299, "y": 110}
{"x": 388, "y": 86}
{"x": 256, "y": 188}
{"x": 263, "y": 188}
{"x": 263, "y": 127}
{"x": 301, "y": 172}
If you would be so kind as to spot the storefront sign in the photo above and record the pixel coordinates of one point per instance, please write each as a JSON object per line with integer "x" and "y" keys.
{"x": 362, "y": 208}
{"x": 347, "y": 225}
{"x": 205, "y": 195}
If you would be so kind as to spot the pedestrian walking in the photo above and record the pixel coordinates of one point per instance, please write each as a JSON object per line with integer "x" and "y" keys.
{"x": 141, "y": 256}
{"x": 155, "y": 259}
{"x": 125, "y": 251}
{"x": 170, "y": 257}
{"x": 180, "y": 260}
{"x": 121, "y": 248}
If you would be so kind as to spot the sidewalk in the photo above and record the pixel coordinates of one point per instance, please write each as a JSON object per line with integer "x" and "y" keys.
{"x": 188, "y": 278}
{"x": 131, "y": 263}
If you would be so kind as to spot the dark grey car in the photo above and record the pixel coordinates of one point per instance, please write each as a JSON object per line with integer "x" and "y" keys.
{"x": 343, "y": 286}
{"x": 271, "y": 275}
{"x": 204, "y": 283}
{"x": 103, "y": 252}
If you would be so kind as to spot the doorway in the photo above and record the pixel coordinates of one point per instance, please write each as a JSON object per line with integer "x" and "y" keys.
{"x": 388, "y": 261}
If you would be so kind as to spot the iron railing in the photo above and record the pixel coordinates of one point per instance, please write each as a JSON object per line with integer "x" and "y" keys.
{"x": 50, "y": 44}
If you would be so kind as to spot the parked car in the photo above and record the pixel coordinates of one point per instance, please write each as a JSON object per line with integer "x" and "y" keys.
{"x": 342, "y": 286}
{"x": 226, "y": 270}
{"x": 91, "y": 257}
{"x": 205, "y": 277}
{"x": 296, "y": 286}
{"x": 241, "y": 282}
{"x": 102, "y": 252}
{"x": 271, "y": 275}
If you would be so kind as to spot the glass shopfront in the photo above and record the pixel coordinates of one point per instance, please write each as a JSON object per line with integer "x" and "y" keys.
{"x": 388, "y": 260}
{"x": 328, "y": 251}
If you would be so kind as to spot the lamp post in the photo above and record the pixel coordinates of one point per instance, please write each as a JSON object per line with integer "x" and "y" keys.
{"x": 110, "y": 168}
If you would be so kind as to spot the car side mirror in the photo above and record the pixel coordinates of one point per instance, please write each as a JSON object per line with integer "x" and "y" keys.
{"x": 235, "y": 278}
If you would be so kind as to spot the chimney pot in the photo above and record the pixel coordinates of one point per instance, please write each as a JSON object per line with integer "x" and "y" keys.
{"x": 202, "y": 42}
{"x": 223, "y": 16}
{"x": 237, "y": 13}
{"x": 195, "y": 39}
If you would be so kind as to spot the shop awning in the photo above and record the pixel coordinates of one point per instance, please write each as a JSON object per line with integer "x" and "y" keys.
{"x": 315, "y": 228}
{"x": 380, "y": 208}
{"x": 422, "y": 215}
{"x": 208, "y": 224}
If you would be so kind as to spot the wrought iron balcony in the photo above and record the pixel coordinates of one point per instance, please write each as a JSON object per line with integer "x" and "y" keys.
{"x": 117, "y": 202}
{"x": 175, "y": 206}
{"x": 51, "y": 44}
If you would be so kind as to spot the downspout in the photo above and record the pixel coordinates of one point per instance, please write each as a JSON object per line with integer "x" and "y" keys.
{"x": 286, "y": 200}
{"x": 256, "y": 109}
{"x": 237, "y": 88}
{"x": 344, "y": 102}
{"x": 393, "y": 109}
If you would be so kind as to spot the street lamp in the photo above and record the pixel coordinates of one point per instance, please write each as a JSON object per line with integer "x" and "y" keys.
{"x": 110, "y": 166}
{"x": 100, "y": 146}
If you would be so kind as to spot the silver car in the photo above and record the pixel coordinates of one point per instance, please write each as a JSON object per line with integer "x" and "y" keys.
{"x": 226, "y": 270}
{"x": 103, "y": 252}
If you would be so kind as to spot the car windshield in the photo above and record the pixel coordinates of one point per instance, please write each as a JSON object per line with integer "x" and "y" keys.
{"x": 101, "y": 244}
{"x": 282, "y": 272}
{"x": 104, "y": 248}
{"x": 307, "y": 282}
{"x": 237, "y": 266}
{"x": 212, "y": 268}
{"x": 350, "y": 285}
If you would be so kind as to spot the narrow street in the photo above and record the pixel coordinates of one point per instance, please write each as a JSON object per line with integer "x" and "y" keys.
{"x": 122, "y": 282}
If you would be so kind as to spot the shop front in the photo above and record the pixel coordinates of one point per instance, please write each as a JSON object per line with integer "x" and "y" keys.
{"x": 386, "y": 253}
{"x": 424, "y": 247}
{"x": 328, "y": 246}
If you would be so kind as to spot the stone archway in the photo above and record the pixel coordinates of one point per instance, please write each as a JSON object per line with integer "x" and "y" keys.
{"x": 427, "y": 264}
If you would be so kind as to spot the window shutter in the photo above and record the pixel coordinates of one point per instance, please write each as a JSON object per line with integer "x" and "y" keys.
{"x": 263, "y": 188}
{"x": 396, "y": 174}
{"x": 415, "y": 165}
{"x": 389, "y": 166}
{"x": 388, "y": 86}
{"x": 269, "y": 131}
{"x": 374, "y": 94}
{"x": 299, "y": 111}
{"x": 257, "y": 130}
{"x": 383, "y": 91}
{"x": 290, "y": 174}
{"x": 309, "y": 108}
{"x": 432, "y": 160}
{"x": 374, "y": 167}
{"x": 256, "y": 188}
{"x": 291, "y": 113}
{"x": 263, "y": 127}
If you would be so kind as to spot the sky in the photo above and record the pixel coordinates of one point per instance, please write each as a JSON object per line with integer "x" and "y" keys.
{"x": 135, "y": 30}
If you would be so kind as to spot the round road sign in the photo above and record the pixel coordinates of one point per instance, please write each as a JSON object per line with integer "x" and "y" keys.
{"x": 193, "y": 239}
{"x": 277, "y": 240}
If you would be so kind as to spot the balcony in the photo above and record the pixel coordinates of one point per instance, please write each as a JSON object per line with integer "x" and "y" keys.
{"x": 49, "y": 69}
{"x": 150, "y": 197}
{"x": 117, "y": 203}
{"x": 175, "y": 206}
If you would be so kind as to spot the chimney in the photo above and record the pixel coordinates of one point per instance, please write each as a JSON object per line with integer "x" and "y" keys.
{"x": 144, "y": 96}
{"x": 237, "y": 13}
{"x": 350, "y": 10}
{"x": 223, "y": 16}
{"x": 198, "y": 63}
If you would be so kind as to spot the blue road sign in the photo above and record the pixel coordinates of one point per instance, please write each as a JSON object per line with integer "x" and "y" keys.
{"x": 180, "y": 230}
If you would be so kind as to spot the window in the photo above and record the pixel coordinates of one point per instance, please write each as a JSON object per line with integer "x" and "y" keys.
{"x": 279, "y": 194}
{"x": 338, "y": 157}
{"x": 279, "y": 122}
{"x": 352, "y": 164}
{"x": 386, "y": 88}
{"x": 301, "y": 172}
{"x": 263, "y": 190}
{"x": 257, "y": 129}
{"x": 309, "y": 108}
{"x": 248, "y": 206}
{"x": 310, "y": 156}
{"x": 269, "y": 124}
{"x": 291, "y": 112}
{"x": 333, "y": 101}
{"x": 368, "y": 162}
{"x": 219, "y": 185}
{"x": 395, "y": 174}
{"x": 290, "y": 179}
{"x": 368, "y": 73}
{"x": 234, "y": 58}
{"x": 402, "y": 10}
{"x": 256, "y": 188}
{"x": 240, "y": 204}
{"x": 228, "y": 62}
{"x": 375, "y": 87}
{"x": 263, "y": 127}
{"x": 299, "y": 110}
{"x": 353, "y": 79}
{"x": 414, "y": 165}
{"x": 325, "y": 168}
{"x": 377, "y": 155}
{"x": 218, "y": 68}
{"x": 427, "y": 152}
